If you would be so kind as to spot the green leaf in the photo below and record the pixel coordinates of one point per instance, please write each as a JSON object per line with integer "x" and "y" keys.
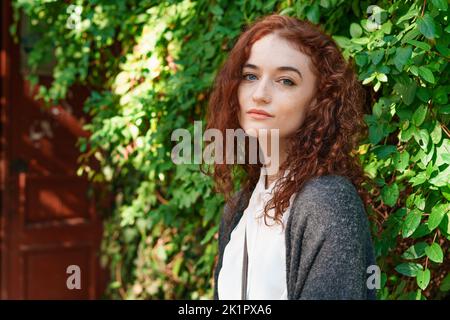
{"x": 418, "y": 179}
{"x": 444, "y": 109}
{"x": 405, "y": 135}
{"x": 440, "y": 94}
{"x": 211, "y": 232}
{"x": 443, "y": 152}
{"x": 401, "y": 160}
{"x": 362, "y": 41}
{"x": 408, "y": 269}
{"x": 437, "y": 213}
{"x": 442, "y": 179}
{"x": 436, "y": 134}
{"x": 382, "y": 77}
{"x": 423, "y": 94}
{"x": 382, "y": 152}
{"x": 361, "y": 59}
{"x": 390, "y": 194}
{"x": 423, "y": 278}
{"x": 416, "y": 251}
{"x": 421, "y": 231}
{"x": 440, "y": 4}
{"x": 402, "y": 56}
{"x": 444, "y": 226}
{"x": 434, "y": 252}
{"x": 411, "y": 222}
{"x": 406, "y": 91}
{"x": 355, "y": 30}
{"x": 419, "y": 202}
{"x": 427, "y": 26}
{"x": 412, "y": 12}
{"x": 419, "y": 115}
{"x": 419, "y": 44}
{"x": 376, "y": 56}
{"x": 426, "y": 74}
{"x": 313, "y": 13}
{"x": 445, "y": 284}
{"x": 216, "y": 10}
{"x": 446, "y": 192}
{"x": 421, "y": 136}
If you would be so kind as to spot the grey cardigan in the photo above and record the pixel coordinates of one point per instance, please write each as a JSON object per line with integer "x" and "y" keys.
{"x": 328, "y": 242}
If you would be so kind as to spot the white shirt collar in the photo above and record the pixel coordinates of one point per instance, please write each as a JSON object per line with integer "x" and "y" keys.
{"x": 261, "y": 185}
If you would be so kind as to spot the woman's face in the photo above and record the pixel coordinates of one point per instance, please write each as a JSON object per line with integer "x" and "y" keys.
{"x": 276, "y": 80}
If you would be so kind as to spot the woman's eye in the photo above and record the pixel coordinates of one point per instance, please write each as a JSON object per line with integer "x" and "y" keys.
{"x": 248, "y": 76}
{"x": 252, "y": 77}
{"x": 289, "y": 82}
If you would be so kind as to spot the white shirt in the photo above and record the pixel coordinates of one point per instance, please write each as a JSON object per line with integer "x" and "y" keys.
{"x": 266, "y": 251}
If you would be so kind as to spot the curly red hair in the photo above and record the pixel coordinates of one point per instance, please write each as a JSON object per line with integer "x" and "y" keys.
{"x": 332, "y": 129}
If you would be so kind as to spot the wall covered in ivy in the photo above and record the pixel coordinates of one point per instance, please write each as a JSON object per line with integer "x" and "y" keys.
{"x": 150, "y": 66}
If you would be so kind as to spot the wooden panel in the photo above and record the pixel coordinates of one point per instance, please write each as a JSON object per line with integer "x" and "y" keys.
{"x": 47, "y": 221}
{"x": 55, "y": 199}
{"x": 45, "y": 274}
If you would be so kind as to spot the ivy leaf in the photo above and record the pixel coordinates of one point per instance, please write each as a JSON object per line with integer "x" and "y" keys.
{"x": 355, "y": 30}
{"x": 445, "y": 284}
{"x": 422, "y": 138}
{"x": 418, "y": 179}
{"x": 313, "y": 13}
{"x": 436, "y": 134}
{"x": 427, "y": 26}
{"x": 408, "y": 269}
{"x": 402, "y": 56}
{"x": 401, "y": 160}
{"x": 437, "y": 213}
{"x": 383, "y": 152}
{"x": 440, "y": 94}
{"x": 423, "y": 278}
{"x": 443, "y": 152}
{"x": 444, "y": 226}
{"x": 426, "y": 74}
{"x": 419, "y": 44}
{"x": 406, "y": 91}
{"x": 440, "y": 4}
{"x": 423, "y": 94}
{"x": 209, "y": 235}
{"x": 419, "y": 115}
{"x": 442, "y": 179}
{"x": 434, "y": 252}
{"x": 390, "y": 194}
{"x": 411, "y": 222}
{"x": 421, "y": 231}
{"x": 416, "y": 251}
{"x": 376, "y": 56}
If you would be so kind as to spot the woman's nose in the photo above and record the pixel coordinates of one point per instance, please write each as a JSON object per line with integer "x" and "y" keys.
{"x": 262, "y": 92}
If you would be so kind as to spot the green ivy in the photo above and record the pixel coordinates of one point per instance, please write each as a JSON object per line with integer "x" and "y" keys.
{"x": 150, "y": 67}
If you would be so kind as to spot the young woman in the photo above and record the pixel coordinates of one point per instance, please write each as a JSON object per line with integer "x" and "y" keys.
{"x": 301, "y": 233}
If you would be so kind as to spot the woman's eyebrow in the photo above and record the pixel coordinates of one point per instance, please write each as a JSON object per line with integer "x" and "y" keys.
{"x": 282, "y": 68}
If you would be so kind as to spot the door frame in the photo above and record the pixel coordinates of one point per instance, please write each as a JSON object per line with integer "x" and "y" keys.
{"x": 5, "y": 104}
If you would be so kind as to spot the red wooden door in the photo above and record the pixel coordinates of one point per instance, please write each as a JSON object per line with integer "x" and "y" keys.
{"x": 48, "y": 221}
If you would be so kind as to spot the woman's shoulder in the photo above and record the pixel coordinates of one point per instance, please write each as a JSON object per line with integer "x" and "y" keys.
{"x": 329, "y": 196}
{"x": 328, "y": 185}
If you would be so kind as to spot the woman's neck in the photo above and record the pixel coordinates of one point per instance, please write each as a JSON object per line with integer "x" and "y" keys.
{"x": 274, "y": 173}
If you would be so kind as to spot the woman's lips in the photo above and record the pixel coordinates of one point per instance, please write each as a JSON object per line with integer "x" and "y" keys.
{"x": 257, "y": 114}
